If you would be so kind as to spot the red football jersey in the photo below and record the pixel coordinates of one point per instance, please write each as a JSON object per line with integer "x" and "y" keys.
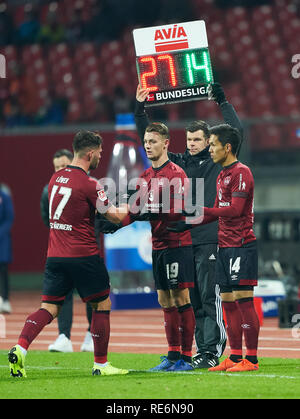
{"x": 234, "y": 181}
{"x": 157, "y": 183}
{"x": 72, "y": 203}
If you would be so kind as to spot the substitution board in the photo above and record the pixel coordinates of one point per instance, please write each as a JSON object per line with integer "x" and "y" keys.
{"x": 173, "y": 62}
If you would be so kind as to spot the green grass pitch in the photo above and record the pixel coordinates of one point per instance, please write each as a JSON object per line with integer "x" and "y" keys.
{"x": 67, "y": 376}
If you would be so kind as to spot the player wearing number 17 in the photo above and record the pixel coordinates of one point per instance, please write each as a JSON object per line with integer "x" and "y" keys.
{"x": 236, "y": 270}
{"x": 73, "y": 259}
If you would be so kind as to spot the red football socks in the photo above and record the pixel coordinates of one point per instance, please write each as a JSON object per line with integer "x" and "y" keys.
{"x": 34, "y": 324}
{"x": 250, "y": 327}
{"x": 172, "y": 324}
{"x": 100, "y": 331}
{"x": 234, "y": 329}
{"x": 187, "y": 324}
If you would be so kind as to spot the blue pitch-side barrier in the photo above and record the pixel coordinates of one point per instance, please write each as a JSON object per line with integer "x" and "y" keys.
{"x": 130, "y": 248}
{"x": 134, "y": 301}
{"x": 271, "y": 291}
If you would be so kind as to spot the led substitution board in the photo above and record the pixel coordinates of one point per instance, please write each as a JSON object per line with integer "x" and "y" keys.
{"x": 173, "y": 62}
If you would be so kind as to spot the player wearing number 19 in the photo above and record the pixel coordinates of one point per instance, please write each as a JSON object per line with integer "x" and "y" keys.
{"x": 172, "y": 252}
{"x": 73, "y": 259}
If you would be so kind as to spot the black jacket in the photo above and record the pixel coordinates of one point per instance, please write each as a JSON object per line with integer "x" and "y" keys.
{"x": 197, "y": 166}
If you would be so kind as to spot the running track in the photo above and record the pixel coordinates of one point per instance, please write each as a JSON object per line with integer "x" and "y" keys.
{"x": 135, "y": 331}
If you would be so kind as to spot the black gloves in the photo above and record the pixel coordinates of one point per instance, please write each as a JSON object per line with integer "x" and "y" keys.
{"x": 102, "y": 225}
{"x": 179, "y": 226}
{"x": 217, "y": 93}
{"x": 146, "y": 216}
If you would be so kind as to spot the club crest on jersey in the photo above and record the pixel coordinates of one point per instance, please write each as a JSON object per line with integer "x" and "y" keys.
{"x": 171, "y": 38}
{"x": 102, "y": 195}
{"x": 227, "y": 180}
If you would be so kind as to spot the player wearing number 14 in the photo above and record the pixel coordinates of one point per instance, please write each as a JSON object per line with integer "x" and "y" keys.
{"x": 236, "y": 270}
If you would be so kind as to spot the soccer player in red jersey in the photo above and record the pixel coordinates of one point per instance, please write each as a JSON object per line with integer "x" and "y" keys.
{"x": 172, "y": 252}
{"x": 237, "y": 266}
{"x": 73, "y": 259}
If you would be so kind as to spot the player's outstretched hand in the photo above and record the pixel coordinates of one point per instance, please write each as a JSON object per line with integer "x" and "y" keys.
{"x": 217, "y": 93}
{"x": 141, "y": 94}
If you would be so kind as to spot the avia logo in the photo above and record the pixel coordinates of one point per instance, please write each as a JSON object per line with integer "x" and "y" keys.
{"x": 170, "y": 39}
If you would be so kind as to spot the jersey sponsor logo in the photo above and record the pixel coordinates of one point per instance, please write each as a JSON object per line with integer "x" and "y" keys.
{"x": 154, "y": 205}
{"x": 167, "y": 39}
{"x": 58, "y": 226}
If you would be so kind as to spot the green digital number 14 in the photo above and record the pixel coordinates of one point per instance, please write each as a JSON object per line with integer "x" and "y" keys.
{"x": 193, "y": 66}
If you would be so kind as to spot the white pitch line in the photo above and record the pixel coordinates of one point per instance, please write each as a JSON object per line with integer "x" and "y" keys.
{"x": 84, "y": 326}
{"x": 148, "y": 345}
{"x": 114, "y": 334}
{"x": 219, "y": 374}
{"x": 147, "y": 335}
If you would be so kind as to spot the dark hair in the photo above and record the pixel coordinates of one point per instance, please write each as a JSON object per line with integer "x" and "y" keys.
{"x": 84, "y": 140}
{"x": 198, "y": 125}
{"x": 227, "y": 135}
{"x": 63, "y": 152}
{"x": 160, "y": 128}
